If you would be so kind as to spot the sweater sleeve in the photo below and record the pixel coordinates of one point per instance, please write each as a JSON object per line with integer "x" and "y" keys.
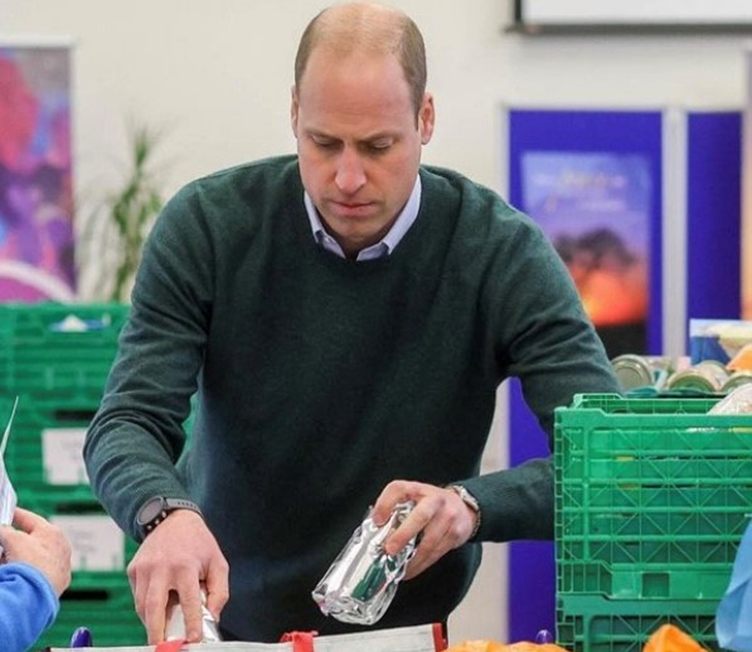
{"x": 545, "y": 339}
{"x": 28, "y": 606}
{"x": 136, "y": 437}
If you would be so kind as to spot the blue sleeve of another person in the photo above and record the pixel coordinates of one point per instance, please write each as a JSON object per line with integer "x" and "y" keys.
{"x": 28, "y": 606}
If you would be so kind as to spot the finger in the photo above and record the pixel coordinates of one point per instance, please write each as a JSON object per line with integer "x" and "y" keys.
{"x": 139, "y": 587}
{"x": 435, "y": 543}
{"x": 415, "y": 522}
{"x": 421, "y": 562}
{"x": 430, "y": 506}
{"x": 154, "y": 609}
{"x": 217, "y": 589}
{"x": 397, "y": 491}
{"x": 27, "y": 521}
{"x": 189, "y": 596}
{"x": 9, "y": 539}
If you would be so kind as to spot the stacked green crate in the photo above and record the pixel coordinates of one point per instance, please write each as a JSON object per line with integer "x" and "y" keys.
{"x": 652, "y": 498}
{"x": 55, "y": 358}
{"x": 99, "y": 596}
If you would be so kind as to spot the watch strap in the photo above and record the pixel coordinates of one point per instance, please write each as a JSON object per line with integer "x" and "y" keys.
{"x": 163, "y": 510}
{"x": 471, "y": 502}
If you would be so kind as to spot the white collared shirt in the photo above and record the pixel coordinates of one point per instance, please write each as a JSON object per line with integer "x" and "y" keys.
{"x": 386, "y": 245}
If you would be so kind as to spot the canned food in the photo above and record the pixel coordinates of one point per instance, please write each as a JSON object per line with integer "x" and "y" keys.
{"x": 700, "y": 380}
{"x": 737, "y": 379}
{"x": 715, "y": 368}
{"x": 632, "y": 371}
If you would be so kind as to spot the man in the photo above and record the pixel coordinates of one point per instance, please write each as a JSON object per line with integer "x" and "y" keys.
{"x": 346, "y": 316}
{"x": 36, "y": 569}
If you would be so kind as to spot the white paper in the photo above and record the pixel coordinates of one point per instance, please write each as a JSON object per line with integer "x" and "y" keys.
{"x": 405, "y": 639}
{"x": 97, "y": 543}
{"x": 7, "y": 493}
{"x": 8, "y": 498}
{"x": 62, "y": 456}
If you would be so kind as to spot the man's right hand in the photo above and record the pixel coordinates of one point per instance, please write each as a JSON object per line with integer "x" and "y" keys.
{"x": 39, "y": 543}
{"x": 180, "y": 556}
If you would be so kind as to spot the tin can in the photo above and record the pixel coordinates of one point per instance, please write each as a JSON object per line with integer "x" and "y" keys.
{"x": 737, "y": 379}
{"x": 175, "y": 626}
{"x": 697, "y": 378}
{"x": 362, "y": 581}
{"x": 632, "y": 371}
{"x": 715, "y": 368}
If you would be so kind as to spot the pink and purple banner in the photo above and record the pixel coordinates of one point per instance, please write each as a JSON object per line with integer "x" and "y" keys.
{"x": 36, "y": 196}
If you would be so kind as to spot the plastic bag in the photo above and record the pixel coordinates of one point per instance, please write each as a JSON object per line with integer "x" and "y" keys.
{"x": 669, "y": 638}
{"x": 733, "y": 620}
{"x": 493, "y": 646}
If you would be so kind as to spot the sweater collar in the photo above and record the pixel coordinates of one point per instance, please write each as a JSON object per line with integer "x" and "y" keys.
{"x": 386, "y": 245}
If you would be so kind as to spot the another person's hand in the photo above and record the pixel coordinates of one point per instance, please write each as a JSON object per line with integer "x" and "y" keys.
{"x": 174, "y": 563}
{"x": 439, "y": 513}
{"x": 39, "y": 543}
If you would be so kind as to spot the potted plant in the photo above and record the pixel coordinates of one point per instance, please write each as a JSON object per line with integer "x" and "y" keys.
{"x": 113, "y": 233}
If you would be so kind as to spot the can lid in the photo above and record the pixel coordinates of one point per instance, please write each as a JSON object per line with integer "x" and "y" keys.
{"x": 692, "y": 379}
{"x": 713, "y": 366}
{"x": 737, "y": 379}
{"x": 632, "y": 371}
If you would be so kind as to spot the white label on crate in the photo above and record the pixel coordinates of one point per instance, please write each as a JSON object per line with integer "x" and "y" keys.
{"x": 62, "y": 455}
{"x": 97, "y": 543}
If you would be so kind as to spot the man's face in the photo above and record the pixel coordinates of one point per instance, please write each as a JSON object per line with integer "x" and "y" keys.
{"x": 358, "y": 143}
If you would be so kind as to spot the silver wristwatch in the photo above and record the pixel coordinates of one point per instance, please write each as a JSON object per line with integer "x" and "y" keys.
{"x": 471, "y": 502}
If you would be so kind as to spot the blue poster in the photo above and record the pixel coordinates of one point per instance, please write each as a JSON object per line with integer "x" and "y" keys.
{"x": 593, "y": 181}
{"x": 596, "y": 210}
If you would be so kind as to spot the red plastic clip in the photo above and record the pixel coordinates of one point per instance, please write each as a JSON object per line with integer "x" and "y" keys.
{"x": 169, "y": 646}
{"x": 301, "y": 641}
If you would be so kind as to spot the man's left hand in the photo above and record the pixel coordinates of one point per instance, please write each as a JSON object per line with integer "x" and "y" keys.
{"x": 445, "y": 521}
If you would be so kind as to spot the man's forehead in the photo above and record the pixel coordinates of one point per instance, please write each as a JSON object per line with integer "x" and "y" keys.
{"x": 327, "y": 62}
{"x": 365, "y": 136}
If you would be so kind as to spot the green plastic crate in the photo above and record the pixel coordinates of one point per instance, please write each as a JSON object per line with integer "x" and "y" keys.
{"x": 652, "y": 497}
{"x": 101, "y": 551}
{"x": 46, "y": 346}
{"x": 108, "y": 611}
{"x": 46, "y": 441}
{"x": 98, "y": 599}
{"x": 591, "y": 623}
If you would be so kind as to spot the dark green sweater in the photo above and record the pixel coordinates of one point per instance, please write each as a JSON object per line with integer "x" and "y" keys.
{"x": 321, "y": 379}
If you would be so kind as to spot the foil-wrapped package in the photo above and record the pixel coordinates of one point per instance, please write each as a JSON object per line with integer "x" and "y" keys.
{"x": 175, "y": 628}
{"x": 362, "y": 581}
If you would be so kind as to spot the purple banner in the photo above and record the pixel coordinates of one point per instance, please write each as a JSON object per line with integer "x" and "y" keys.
{"x": 36, "y": 197}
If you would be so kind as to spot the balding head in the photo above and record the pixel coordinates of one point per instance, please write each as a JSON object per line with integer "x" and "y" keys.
{"x": 371, "y": 29}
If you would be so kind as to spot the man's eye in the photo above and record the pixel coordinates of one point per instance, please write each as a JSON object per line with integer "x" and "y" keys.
{"x": 323, "y": 143}
{"x": 379, "y": 146}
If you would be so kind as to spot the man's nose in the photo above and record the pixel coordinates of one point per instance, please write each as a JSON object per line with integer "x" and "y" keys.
{"x": 350, "y": 173}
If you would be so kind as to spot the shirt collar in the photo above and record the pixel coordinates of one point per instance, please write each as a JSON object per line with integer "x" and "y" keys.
{"x": 386, "y": 245}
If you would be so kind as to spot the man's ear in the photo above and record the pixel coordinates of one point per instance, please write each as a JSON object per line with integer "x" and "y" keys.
{"x": 426, "y": 119}
{"x": 294, "y": 105}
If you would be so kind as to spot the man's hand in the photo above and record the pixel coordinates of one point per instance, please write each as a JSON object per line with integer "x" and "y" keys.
{"x": 39, "y": 543}
{"x": 180, "y": 557}
{"x": 440, "y": 514}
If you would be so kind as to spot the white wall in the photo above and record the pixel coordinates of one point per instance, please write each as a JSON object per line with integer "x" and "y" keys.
{"x": 217, "y": 75}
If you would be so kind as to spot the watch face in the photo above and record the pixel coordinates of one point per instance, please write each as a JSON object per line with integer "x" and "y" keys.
{"x": 150, "y": 511}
